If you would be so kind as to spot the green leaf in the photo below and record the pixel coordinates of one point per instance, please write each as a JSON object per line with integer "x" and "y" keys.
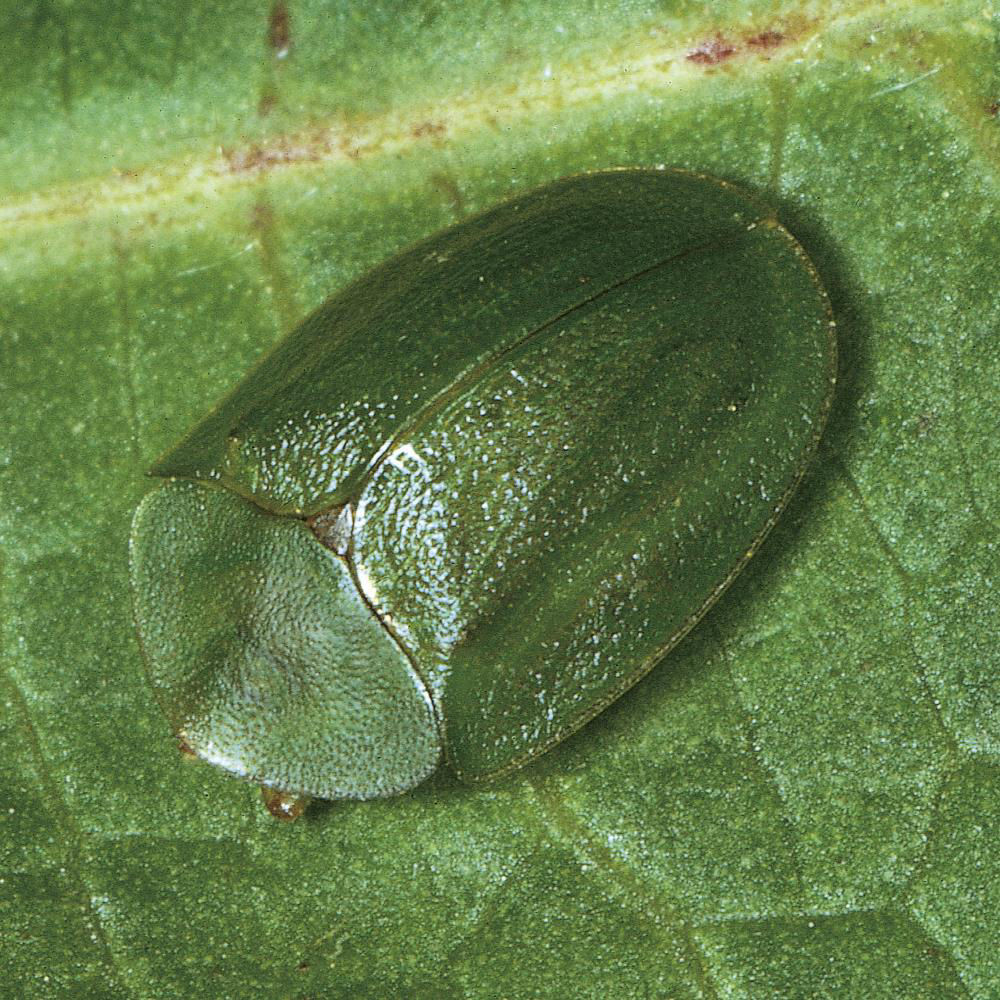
{"x": 802, "y": 801}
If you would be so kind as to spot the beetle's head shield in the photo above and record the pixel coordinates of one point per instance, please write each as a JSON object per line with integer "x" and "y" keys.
{"x": 264, "y": 656}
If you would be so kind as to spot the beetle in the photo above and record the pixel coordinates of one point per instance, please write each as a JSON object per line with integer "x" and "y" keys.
{"x": 482, "y": 490}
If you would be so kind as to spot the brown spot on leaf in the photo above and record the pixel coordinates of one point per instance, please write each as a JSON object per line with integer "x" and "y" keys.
{"x": 993, "y": 108}
{"x": 286, "y": 150}
{"x": 427, "y": 128}
{"x": 241, "y": 160}
{"x": 279, "y": 30}
{"x": 712, "y": 52}
{"x": 766, "y": 40}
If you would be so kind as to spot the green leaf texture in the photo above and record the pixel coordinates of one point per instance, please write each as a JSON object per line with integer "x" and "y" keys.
{"x": 803, "y": 801}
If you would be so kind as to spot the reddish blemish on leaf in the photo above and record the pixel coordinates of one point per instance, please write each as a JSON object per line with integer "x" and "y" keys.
{"x": 284, "y": 152}
{"x": 993, "y": 108}
{"x": 766, "y": 40}
{"x": 713, "y": 51}
{"x": 279, "y": 30}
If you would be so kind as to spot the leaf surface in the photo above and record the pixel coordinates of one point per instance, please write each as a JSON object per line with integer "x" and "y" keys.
{"x": 802, "y": 801}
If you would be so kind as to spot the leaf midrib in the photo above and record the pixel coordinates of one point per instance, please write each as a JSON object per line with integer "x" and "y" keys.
{"x": 642, "y": 64}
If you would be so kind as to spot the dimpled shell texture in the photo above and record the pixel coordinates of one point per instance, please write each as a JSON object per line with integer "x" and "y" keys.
{"x": 560, "y": 427}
